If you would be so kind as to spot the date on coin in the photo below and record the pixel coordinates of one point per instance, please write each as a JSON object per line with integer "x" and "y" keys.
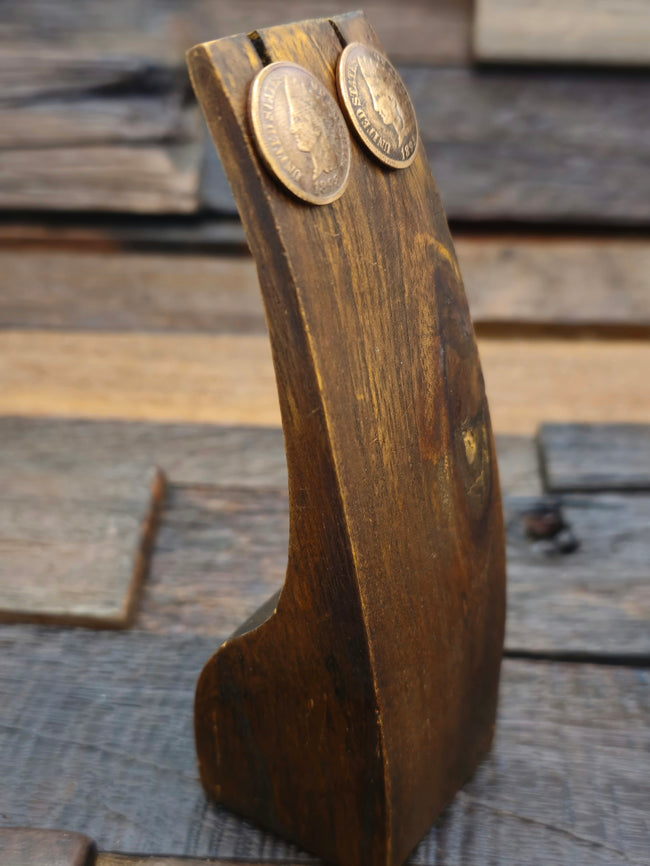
{"x": 300, "y": 132}
{"x": 377, "y": 102}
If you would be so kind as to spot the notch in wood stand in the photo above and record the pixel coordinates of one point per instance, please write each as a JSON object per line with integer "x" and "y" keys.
{"x": 347, "y": 713}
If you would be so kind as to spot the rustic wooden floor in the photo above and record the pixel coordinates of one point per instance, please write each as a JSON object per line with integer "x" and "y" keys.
{"x": 143, "y": 504}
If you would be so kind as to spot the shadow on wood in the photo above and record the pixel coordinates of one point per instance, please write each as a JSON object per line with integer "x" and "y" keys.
{"x": 347, "y": 714}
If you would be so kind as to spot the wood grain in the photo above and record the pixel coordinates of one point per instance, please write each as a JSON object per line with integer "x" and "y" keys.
{"x": 577, "y": 457}
{"x": 538, "y": 146}
{"x": 512, "y": 283}
{"x": 228, "y": 379}
{"x": 563, "y": 31}
{"x": 220, "y": 553}
{"x": 361, "y": 576}
{"x": 75, "y": 535}
{"x": 115, "y": 710}
{"x": 28, "y": 847}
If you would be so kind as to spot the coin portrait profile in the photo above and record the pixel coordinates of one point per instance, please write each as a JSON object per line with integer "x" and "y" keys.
{"x": 300, "y": 132}
{"x": 378, "y": 105}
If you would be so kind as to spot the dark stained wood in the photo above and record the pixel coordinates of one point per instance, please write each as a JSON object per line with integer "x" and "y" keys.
{"x": 564, "y": 31}
{"x": 563, "y": 146}
{"x": 28, "y": 847}
{"x": 75, "y": 529}
{"x": 578, "y": 457}
{"x": 96, "y": 735}
{"x": 512, "y": 284}
{"x": 396, "y": 573}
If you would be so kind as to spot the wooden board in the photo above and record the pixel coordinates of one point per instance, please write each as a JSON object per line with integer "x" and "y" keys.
{"x": 83, "y": 118}
{"x": 565, "y": 146}
{"x": 148, "y": 177}
{"x": 75, "y": 534}
{"x": 513, "y": 284}
{"x": 115, "y": 709}
{"x": 592, "y": 601}
{"x": 221, "y": 552}
{"x": 104, "y": 233}
{"x": 563, "y": 31}
{"x": 228, "y": 379}
{"x": 578, "y": 457}
{"x": 29, "y": 847}
{"x": 110, "y": 859}
{"x": 117, "y": 451}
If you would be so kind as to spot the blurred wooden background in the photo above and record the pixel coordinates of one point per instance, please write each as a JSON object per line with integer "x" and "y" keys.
{"x": 142, "y": 476}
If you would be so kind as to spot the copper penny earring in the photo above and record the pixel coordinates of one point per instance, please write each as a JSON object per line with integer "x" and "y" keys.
{"x": 378, "y": 104}
{"x": 300, "y": 132}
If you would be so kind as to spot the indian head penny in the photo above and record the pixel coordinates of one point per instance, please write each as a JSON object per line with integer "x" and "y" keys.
{"x": 300, "y": 132}
{"x": 378, "y": 105}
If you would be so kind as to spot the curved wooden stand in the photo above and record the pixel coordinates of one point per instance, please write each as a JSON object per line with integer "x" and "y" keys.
{"x": 347, "y": 713}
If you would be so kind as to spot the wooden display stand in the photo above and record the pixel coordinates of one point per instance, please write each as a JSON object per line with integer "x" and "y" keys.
{"x": 347, "y": 713}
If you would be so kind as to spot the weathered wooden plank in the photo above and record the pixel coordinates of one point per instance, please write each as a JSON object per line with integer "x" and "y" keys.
{"x": 89, "y": 119}
{"x": 593, "y": 600}
{"x": 577, "y": 457}
{"x": 149, "y": 177}
{"x": 28, "y": 847}
{"x": 573, "y": 31}
{"x": 221, "y": 552}
{"x": 188, "y": 455}
{"x": 138, "y": 292}
{"x": 566, "y": 146}
{"x": 511, "y": 283}
{"x": 110, "y": 859}
{"x": 105, "y": 233}
{"x": 75, "y": 534}
{"x": 116, "y": 710}
{"x": 228, "y": 379}
{"x": 116, "y": 451}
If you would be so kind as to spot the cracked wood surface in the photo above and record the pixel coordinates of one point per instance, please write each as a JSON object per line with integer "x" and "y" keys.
{"x": 104, "y": 721}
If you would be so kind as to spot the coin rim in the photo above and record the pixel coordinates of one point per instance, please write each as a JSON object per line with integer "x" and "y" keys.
{"x": 349, "y": 108}
{"x": 256, "y": 127}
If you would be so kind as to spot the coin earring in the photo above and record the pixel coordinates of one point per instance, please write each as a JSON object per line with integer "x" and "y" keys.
{"x": 378, "y": 105}
{"x": 300, "y": 132}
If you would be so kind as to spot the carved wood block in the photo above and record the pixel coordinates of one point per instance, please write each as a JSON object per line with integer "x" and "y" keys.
{"x": 347, "y": 714}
